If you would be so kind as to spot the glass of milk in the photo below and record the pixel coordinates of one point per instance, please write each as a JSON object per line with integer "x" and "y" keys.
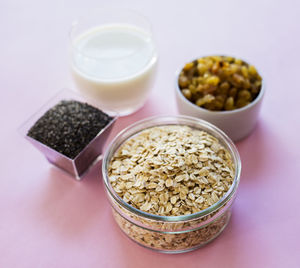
{"x": 113, "y": 59}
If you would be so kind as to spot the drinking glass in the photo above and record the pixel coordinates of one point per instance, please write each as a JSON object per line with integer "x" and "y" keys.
{"x": 113, "y": 58}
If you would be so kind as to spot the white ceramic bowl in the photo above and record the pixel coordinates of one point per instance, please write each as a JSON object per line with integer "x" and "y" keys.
{"x": 237, "y": 124}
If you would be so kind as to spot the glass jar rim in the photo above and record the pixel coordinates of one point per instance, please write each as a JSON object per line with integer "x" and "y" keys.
{"x": 131, "y": 12}
{"x": 165, "y": 120}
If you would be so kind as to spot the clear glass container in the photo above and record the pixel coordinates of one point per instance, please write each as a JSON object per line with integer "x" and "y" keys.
{"x": 113, "y": 58}
{"x": 172, "y": 234}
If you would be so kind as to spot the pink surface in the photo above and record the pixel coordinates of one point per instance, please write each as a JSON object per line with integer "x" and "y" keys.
{"x": 50, "y": 220}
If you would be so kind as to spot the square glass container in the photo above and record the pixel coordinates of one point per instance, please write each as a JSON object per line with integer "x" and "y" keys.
{"x": 89, "y": 156}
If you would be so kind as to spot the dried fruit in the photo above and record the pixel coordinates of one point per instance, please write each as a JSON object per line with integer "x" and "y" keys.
{"x": 219, "y": 83}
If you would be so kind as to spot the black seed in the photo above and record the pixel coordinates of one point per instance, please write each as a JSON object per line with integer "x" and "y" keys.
{"x": 69, "y": 126}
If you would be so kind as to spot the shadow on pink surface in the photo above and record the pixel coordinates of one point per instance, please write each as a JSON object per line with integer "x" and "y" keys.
{"x": 256, "y": 151}
{"x": 69, "y": 207}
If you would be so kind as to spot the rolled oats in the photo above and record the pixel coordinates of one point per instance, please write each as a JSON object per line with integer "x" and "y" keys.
{"x": 171, "y": 170}
{"x": 182, "y": 167}
{"x": 177, "y": 241}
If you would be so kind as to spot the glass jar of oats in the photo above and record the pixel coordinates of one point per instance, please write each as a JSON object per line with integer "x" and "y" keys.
{"x": 171, "y": 182}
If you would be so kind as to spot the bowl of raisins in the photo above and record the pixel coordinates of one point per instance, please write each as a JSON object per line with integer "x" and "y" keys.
{"x": 223, "y": 90}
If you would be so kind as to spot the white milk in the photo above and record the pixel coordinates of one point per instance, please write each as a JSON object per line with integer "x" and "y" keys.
{"x": 114, "y": 64}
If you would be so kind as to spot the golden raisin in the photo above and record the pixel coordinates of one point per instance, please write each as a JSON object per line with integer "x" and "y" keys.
{"x": 244, "y": 95}
{"x": 202, "y": 68}
{"x": 188, "y": 66}
{"x": 229, "y": 104}
{"x": 183, "y": 81}
{"x": 206, "y": 99}
{"x": 252, "y": 70}
{"x": 187, "y": 93}
{"x": 232, "y": 92}
{"x": 224, "y": 87}
{"x": 244, "y": 71}
{"x": 213, "y": 80}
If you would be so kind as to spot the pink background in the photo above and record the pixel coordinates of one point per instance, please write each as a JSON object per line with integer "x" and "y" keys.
{"x": 50, "y": 220}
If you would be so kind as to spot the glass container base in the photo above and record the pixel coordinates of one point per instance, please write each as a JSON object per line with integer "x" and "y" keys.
{"x": 173, "y": 242}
